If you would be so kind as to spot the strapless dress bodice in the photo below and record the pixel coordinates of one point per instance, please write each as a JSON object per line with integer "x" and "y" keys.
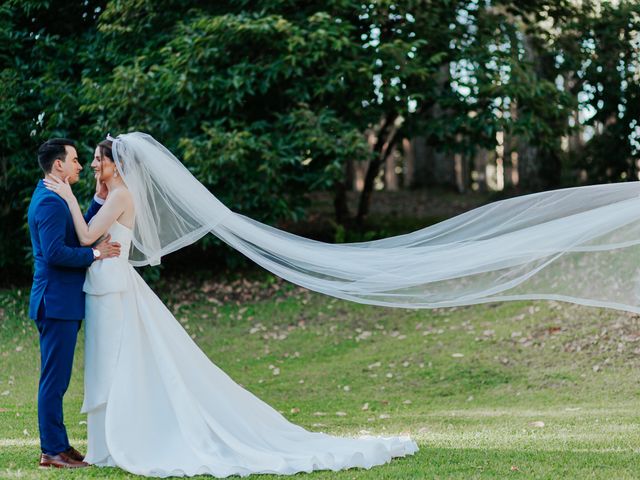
{"x": 111, "y": 274}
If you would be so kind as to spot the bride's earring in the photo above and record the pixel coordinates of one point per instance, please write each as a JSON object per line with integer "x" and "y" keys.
{"x": 115, "y": 174}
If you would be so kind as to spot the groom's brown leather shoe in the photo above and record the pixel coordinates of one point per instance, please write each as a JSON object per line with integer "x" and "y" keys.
{"x": 74, "y": 454}
{"x": 61, "y": 460}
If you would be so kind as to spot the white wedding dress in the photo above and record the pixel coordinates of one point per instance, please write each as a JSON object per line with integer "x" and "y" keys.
{"x": 157, "y": 406}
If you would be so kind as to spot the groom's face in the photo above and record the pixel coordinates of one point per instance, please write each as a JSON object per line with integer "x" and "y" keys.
{"x": 70, "y": 167}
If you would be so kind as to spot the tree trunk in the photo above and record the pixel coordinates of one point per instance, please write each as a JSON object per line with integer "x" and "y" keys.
{"x": 537, "y": 169}
{"x": 384, "y": 144}
{"x": 340, "y": 205}
{"x": 420, "y": 175}
{"x": 340, "y": 189}
{"x": 391, "y": 181}
{"x": 408, "y": 153}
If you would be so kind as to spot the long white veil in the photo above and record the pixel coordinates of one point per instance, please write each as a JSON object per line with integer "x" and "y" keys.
{"x": 580, "y": 244}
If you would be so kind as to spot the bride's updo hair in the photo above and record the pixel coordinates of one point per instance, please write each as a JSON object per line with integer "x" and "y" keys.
{"x": 105, "y": 149}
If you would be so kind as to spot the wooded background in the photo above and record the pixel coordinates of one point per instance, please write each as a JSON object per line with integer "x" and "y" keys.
{"x": 266, "y": 101}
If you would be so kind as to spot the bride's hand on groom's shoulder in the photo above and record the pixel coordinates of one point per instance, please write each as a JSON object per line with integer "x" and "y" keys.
{"x": 61, "y": 187}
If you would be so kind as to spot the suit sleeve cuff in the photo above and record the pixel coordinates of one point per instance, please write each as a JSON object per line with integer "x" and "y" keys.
{"x": 98, "y": 200}
{"x": 90, "y": 257}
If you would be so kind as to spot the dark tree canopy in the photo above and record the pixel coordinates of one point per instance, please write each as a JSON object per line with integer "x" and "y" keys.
{"x": 266, "y": 101}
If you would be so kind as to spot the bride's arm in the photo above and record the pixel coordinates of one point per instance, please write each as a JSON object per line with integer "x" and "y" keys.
{"x": 108, "y": 213}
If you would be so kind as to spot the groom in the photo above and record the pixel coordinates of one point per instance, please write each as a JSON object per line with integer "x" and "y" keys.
{"x": 57, "y": 299}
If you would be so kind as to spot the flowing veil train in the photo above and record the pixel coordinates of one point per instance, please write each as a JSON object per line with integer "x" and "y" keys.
{"x": 157, "y": 406}
{"x": 579, "y": 244}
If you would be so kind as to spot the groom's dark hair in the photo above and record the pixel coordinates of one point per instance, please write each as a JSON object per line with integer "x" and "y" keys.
{"x": 52, "y": 150}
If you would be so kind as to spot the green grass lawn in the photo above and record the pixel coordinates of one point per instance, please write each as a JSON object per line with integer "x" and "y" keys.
{"x": 511, "y": 390}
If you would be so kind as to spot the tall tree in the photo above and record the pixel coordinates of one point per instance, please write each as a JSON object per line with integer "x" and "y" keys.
{"x": 268, "y": 100}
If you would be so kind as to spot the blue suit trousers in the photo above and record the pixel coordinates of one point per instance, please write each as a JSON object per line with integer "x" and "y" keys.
{"x": 57, "y": 345}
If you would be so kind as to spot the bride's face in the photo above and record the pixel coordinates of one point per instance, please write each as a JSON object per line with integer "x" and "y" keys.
{"x": 102, "y": 166}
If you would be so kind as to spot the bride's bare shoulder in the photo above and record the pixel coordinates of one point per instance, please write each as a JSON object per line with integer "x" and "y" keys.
{"x": 123, "y": 201}
{"x": 120, "y": 195}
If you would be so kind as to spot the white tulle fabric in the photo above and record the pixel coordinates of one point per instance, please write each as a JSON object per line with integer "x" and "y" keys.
{"x": 578, "y": 244}
{"x": 157, "y": 406}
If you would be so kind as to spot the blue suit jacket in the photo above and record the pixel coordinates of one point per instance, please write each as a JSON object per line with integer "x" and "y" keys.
{"x": 60, "y": 261}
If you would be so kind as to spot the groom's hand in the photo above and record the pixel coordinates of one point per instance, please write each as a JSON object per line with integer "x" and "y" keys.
{"x": 108, "y": 249}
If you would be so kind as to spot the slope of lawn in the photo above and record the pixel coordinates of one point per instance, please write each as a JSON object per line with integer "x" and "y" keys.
{"x": 527, "y": 389}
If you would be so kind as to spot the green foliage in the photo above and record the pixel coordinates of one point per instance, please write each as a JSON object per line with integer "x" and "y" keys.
{"x": 265, "y": 101}
{"x": 609, "y": 80}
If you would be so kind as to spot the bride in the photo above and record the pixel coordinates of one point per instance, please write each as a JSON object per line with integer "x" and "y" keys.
{"x": 155, "y": 404}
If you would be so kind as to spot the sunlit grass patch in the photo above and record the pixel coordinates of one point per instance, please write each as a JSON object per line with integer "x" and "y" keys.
{"x": 540, "y": 389}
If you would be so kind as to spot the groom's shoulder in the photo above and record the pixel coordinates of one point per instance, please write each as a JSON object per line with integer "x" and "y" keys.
{"x": 43, "y": 199}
